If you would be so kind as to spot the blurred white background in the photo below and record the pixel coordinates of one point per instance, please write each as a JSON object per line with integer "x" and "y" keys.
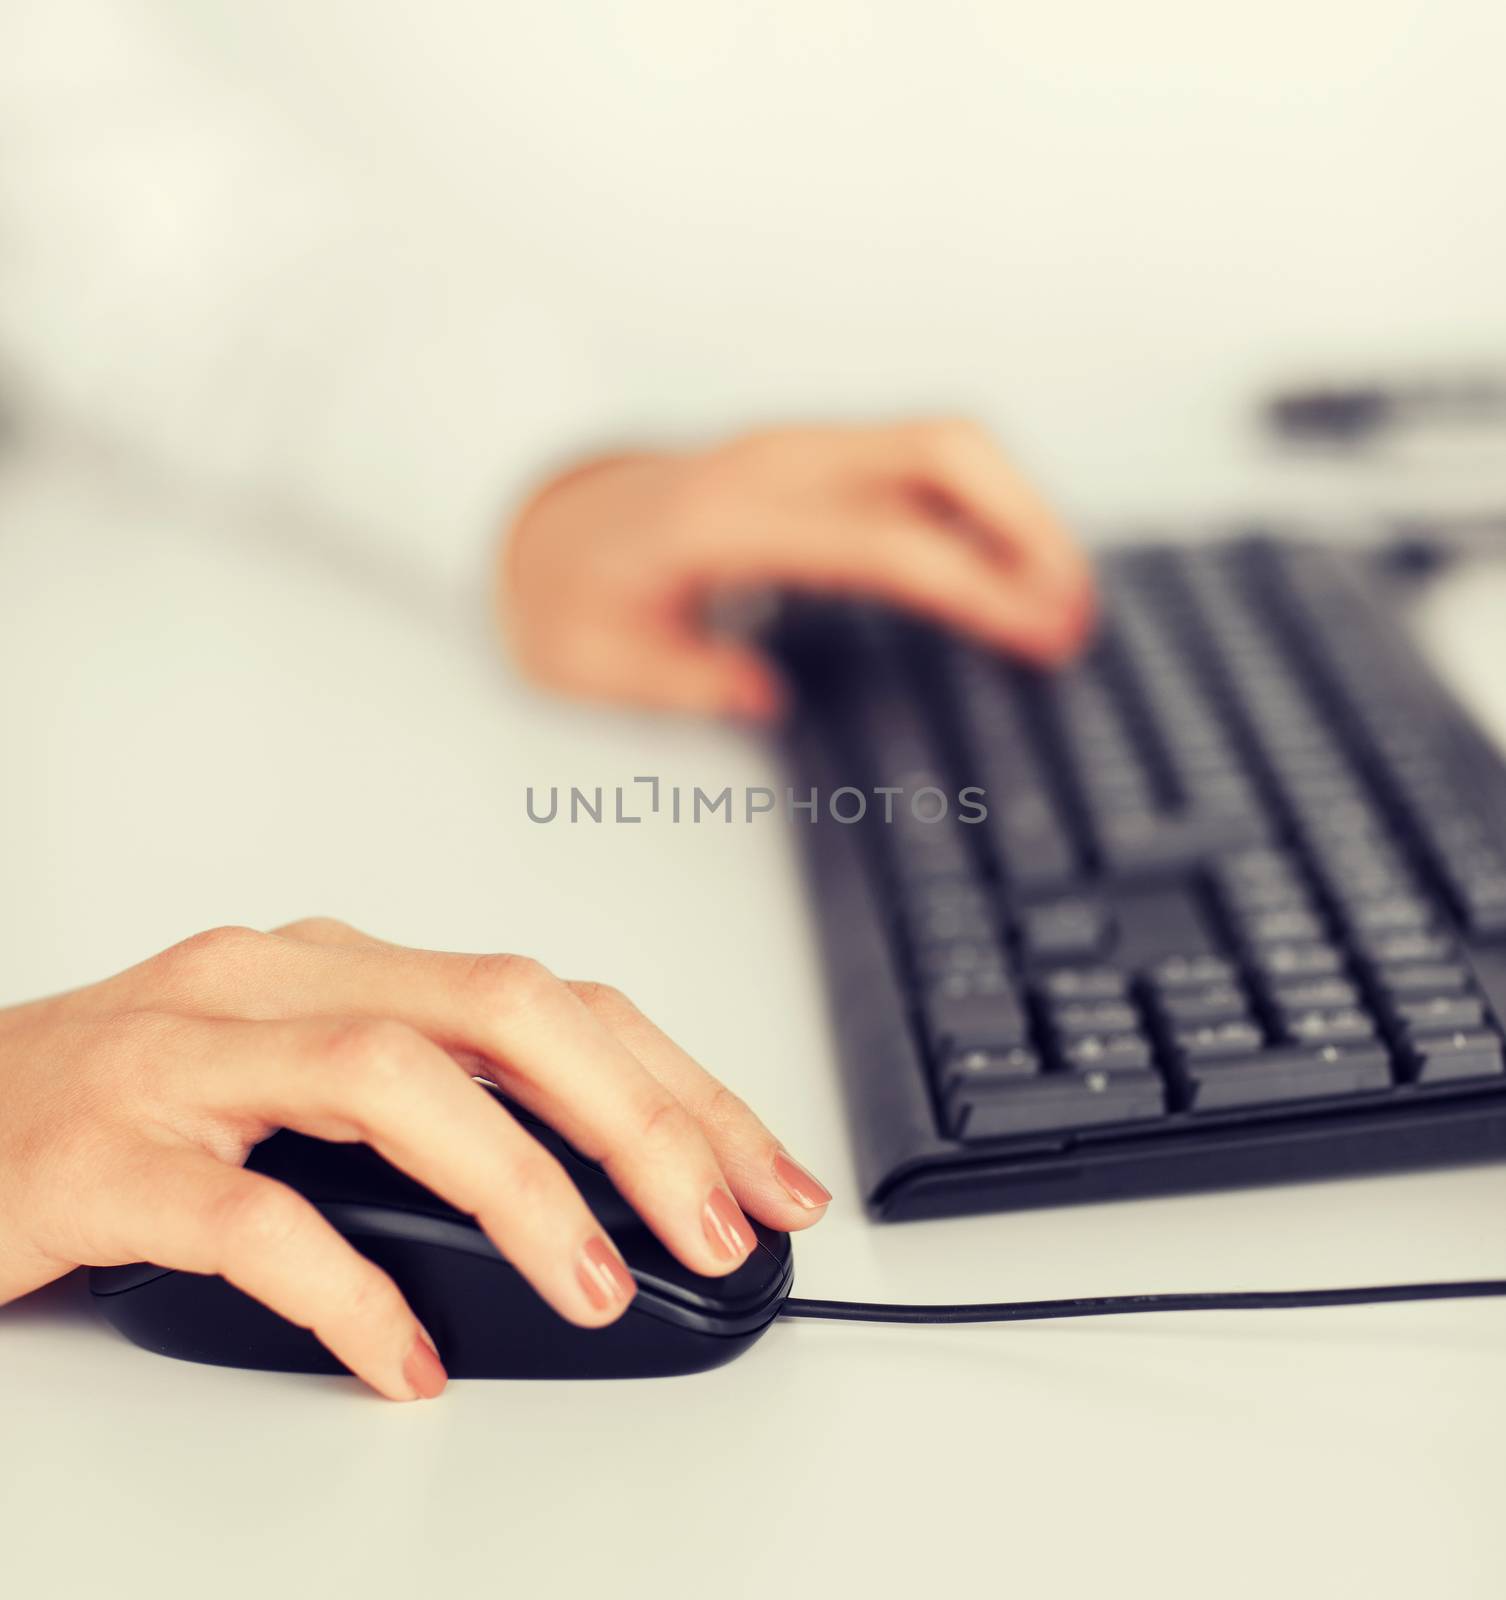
{"x": 391, "y": 261}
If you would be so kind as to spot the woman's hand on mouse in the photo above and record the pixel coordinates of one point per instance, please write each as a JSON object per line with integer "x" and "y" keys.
{"x": 127, "y": 1108}
{"x": 603, "y": 579}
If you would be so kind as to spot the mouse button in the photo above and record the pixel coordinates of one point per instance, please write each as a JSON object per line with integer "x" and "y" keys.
{"x": 116, "y": 1280}
{"x": 755, "y": 1283}
{"x": 341, "y": 1173}
{"x": 613, "y": 1212}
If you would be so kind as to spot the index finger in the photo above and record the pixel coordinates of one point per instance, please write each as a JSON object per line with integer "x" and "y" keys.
{"x": 963, "y": 463}
{"x": 538, "y": 1043}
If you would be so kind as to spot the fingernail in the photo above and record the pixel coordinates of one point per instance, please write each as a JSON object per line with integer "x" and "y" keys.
{"x": 423, "y": 1369}
{"x": 726, "y": 1227}
{"x": 603, "y": 1277}
{"x": 801, "y": 1185}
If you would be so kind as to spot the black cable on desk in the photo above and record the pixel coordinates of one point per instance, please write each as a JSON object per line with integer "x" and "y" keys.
{"x": 1119, "y": 1305}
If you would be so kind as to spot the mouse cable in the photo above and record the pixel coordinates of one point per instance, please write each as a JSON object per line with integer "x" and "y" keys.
{"x": 1118, "y": 1305}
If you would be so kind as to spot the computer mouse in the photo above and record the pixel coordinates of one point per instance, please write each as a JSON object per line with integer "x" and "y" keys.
{"x": 486, "y": 1320}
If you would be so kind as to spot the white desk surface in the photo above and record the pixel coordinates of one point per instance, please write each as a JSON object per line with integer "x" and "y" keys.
{"x": 202, "y": 727}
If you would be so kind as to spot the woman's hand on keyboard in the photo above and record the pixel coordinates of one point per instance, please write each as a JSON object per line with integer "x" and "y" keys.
{"x": 128, "y": 1107}
{"x": 603, "y": 580}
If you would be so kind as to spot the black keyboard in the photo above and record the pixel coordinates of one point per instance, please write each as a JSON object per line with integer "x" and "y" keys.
{"x": 1223, "y": 902}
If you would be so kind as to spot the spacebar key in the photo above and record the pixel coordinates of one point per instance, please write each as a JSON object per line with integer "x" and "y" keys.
{"x": 1054, "y": 1101}
{"x": 1297, "y": 1072}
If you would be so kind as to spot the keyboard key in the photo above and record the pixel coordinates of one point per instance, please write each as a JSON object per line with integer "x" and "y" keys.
{"x": 1216, "y": 1040}
{"x": 1290, "y": 1072}
{"x": 1394, "y": 949}
{"x": 1299, "y": 961}
{"x": 1246, "y": 899}
{"x": 946, "y": 895}
{"x": 924, "y": 862}
{"x": 958, "y": 956}
{"x": 1395, "y": 913}
{"x": 1213, "y": 1002}
{"x": 962, "y": 1067}
{"x": 1313, "y": 994}
{"x": 1423, "y": 981}
{"x": 968, "y": 983}
{"x": 1281, "y": 928}
{"x": 1023, "y": 832}
{"x": 1055, "y": 1101}
{"x": 1063, "y": 929}
{"x": 948, "y": 924}
{"x": 1077, "y": 1017}
{"x": 1084, "y": 983}
{"x": 1370, "y": 880}
{"x": 1328, "y": 1027}
{"x": 1259, "y": 867}
{"x": 1138, "y": 843}
{"x": 1120, "y": 1052}
{"x": 1191, "y": 972}
{"x": 1482, "y": 904}
{"x": 1029, "y": 844}
{"x": 1444, "y": 1058}
{"x": 956, "y": 1024}
{"x": 1443, "y": 1014}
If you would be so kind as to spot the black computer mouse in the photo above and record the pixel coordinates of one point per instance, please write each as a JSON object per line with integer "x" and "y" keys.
{"x": 484, "y": 1317}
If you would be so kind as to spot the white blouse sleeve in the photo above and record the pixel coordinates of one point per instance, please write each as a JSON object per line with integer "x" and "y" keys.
{"x": 193, "y": 279}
